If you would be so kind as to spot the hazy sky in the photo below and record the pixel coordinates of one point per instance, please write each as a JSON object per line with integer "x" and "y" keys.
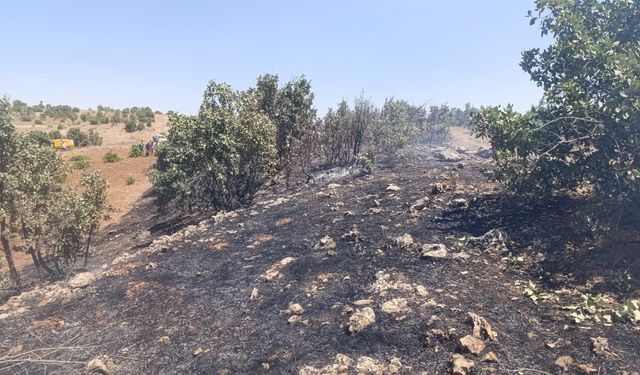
{"x": 163, "y": 53}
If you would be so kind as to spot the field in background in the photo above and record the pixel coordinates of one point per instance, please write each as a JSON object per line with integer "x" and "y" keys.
{"x": 112, "y": 135}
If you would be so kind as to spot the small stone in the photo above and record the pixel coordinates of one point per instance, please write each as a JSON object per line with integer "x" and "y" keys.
{"x": 422, "y": 291}
{"x": 420, "y": 204}
{"x": 438, "y": 188}
{"x": 490, "y": 357}
{"x": 472, "y": 344}
{"x": 447, "y": 155}
{"x": 165, "y": 340}
{"x": 460, "y": 365}
{"x": 481, "y": 327}
{"x": 393, "y": 188}
{"x": 294, "y": 319}
{"x": 82, "y": 280}
{"x": 333, "y": 186}
{"x": 102, "y": 365}
{"x": 564, "y": 362}
{"x": 361, "y": 319}
{"x": 276, "y": 270}
{"x": 363, "y": 302}
{"x": 255, "y": 293}
{"x": 434, "y": 251}
{"x": 587, "y": 369}
{"x": 395, "y": 306}
{"x": 461, "y": 256}
{"x": 296, "y": 309}
{"x": 600, "y": 346}
{"x": 368, "y": 365}
{"x": 404, "y": 242}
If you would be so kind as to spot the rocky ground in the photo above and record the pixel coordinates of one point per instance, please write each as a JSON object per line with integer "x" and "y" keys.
{"x": 416, "y": 269}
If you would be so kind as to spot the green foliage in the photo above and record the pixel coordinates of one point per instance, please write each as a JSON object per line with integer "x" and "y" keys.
{"x": 38, "y": 122}
{"x": 93, "y": 138}
{"x": 337, "y": 135}
{"x": 217, "y": 158}
{"x": 136, "y": 151}
{"x": 603, "y": 309}
{"x": 82, "y": 139}
{"x": 294, "y": 113}
{"x": 130, "y": 125}
{"x": 110, "y": 157}
{"x": 393, "y": 130}
{"x": 48, "y": 220}
{"x": 267, "y": 91}
{"x": 80, "y": 162}
{"x": 55, "y": 134}
{"x": 40, "y": 137}
{"x": 586, "y": 131}
{"x": 130, "y": 180}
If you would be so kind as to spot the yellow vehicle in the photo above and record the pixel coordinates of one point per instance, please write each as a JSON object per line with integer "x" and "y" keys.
{"x": 63, "y": 144}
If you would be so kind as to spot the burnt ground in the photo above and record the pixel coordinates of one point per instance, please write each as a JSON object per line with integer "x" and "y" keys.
{"x": 197, "y": 301}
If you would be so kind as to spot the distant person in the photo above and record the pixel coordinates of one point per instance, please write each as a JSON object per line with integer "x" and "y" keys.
{"x": 148, "y": 149}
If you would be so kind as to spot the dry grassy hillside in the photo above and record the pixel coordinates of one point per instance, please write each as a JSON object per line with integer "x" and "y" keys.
{"x": 112, "y": 135}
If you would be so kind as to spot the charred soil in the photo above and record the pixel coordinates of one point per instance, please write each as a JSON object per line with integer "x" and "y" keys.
{"x": 287, "y": 284}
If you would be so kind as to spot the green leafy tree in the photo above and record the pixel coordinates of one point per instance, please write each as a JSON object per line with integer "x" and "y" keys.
{"x": 393, "y": 129}
{"x": 267, "y": 91}
{"x": 338, "y": 136}
{"x": 80, "y": 138}
{"x": 7, "y": 150}
{"x": 130, "y": 125}
{"x": 95, "y": 206}
{"x": 294, "y": 114}
{"x": 586, "y": 131}
{"x": 217, "y": 158}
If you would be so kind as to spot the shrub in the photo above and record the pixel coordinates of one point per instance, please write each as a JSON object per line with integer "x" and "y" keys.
{"x": 55, "y": 134}
{"x": 393, "y": 130}
{"x": 80, "y": 162}
{"x": 217, "y": 158}
{"x": 60, "y": 126}
{"x": 130, "y": 126}
{"x": 93, "y": 121}
{"x": 110, "y": 157}
{"x": 586, "y": 131}
{"x": 136, "y": 151}
{"x": 28, "y": 117}
{"x": 80, "y": 138}
{"x": 38, "y": 122}
{"x": 294, "y": 113}
{"x": 94, "y": 138}
{"x": 40, "y": 137}
{"x": 130, "y": 180}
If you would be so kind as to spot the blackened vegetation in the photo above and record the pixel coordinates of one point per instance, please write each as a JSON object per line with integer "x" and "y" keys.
{"x": 191, "y": 305}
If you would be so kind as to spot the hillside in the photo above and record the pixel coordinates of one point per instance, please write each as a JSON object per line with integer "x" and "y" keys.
{"x": 417, "y": 269}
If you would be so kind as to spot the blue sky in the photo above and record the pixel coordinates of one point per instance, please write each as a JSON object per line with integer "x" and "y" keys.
{"x": 163, "y": 53}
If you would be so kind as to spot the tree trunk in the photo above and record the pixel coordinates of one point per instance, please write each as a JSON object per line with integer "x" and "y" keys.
{"x": 8, "y": 255}
{"x": 43, "y": 263}
{"x": 86, "y": 250}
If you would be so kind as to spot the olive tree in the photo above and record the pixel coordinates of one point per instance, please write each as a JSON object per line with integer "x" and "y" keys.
{"x": 39, "y": 213}
{"x": 217, "y": 158}
{"x": 294, "y": 115}
{"x": 7, "y": 149}
{"x": 586, "y": 132}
